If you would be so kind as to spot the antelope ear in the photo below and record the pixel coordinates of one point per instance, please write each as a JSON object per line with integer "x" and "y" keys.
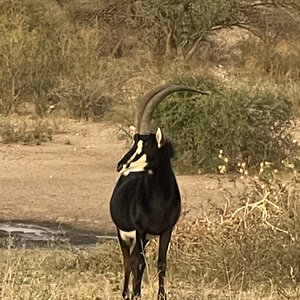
{"x": 160, "y": 138}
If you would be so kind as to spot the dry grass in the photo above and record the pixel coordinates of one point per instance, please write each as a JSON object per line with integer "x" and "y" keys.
{"x": 97, "y": 274}
{"x": 252, "y": 253}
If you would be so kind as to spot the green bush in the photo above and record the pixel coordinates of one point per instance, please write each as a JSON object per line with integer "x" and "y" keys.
{"x": 249, "y": 128}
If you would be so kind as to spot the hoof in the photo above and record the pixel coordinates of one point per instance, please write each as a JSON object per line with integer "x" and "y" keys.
{"x": 125, "y": 296}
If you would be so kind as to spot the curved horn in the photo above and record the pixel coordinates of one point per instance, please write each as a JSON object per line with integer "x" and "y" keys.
{"x": 152, "y": 103}
{"x": 143, "y": 103}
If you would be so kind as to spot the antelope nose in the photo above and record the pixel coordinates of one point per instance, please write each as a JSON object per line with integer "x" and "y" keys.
{"x": 119, "y": 167}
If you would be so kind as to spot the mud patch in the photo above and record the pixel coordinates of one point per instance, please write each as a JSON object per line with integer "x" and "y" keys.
{"x": 27, "y": 235}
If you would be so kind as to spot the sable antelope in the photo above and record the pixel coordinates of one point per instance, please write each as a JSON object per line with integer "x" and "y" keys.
{"x": 146, "y": 199}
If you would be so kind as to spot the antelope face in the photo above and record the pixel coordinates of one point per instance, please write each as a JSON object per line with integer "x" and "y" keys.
{"x": 144, "y": 149}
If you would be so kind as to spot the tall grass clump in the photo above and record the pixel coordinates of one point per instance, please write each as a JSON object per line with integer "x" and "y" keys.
{"x": 247, "y": 126}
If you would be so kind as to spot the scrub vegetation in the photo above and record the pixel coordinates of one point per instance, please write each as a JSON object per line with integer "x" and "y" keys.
{"x": 90, "y": 60}
{"x": 249, "y": 126}
{"x": 86, "y": 59}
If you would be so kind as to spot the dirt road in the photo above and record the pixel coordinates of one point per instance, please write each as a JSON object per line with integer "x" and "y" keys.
{"x": 70, "y": 181}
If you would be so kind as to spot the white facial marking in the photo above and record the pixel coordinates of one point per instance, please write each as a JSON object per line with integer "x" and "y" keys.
{"x": 138, "y": 165}
{"x": 139, "y": 148}
{"x": 129, "y": 237}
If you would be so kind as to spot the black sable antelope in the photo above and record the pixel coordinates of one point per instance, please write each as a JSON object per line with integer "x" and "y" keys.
{"x": 146, "y": 200}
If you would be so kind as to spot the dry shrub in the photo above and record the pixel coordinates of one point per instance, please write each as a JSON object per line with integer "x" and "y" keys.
{"x": 30, "y": 48}
{"x": 29, "y": 130}
{"x": 53, "y": 62}
{"x": 293, "y": 92}
{"x": 252, "y": 246}
{"x": 279, "y": 61}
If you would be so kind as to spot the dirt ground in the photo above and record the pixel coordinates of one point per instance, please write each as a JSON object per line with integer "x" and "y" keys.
{"x": 70, "y": 180}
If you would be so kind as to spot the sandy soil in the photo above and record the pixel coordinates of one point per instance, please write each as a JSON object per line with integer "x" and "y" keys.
{"x": 70, "y": 181}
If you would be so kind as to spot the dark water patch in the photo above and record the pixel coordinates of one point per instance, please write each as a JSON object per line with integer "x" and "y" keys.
{"x": 29, "y": 235}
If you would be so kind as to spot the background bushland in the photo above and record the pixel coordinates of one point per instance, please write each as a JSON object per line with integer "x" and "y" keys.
{"x": 90, "y": 59}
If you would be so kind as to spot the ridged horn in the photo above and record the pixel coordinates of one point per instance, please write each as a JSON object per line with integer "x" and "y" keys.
{"x": 143, "y": 103}
{"x": 154, "y": 101}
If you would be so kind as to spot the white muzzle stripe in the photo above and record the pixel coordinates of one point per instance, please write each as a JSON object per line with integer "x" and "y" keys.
{"x": 135, "y": 166}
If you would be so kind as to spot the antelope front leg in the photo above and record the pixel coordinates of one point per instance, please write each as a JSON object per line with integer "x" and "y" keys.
{"x": 127, "y": 266}
{"x": 164, "y": 241}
